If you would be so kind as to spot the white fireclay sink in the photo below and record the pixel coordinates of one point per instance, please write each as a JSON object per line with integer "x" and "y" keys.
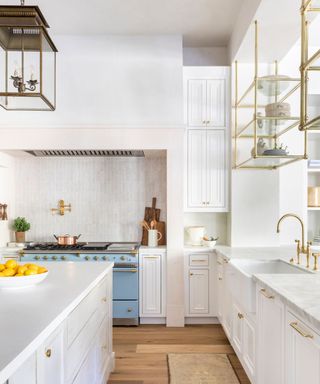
{"x": 239, "y": 277}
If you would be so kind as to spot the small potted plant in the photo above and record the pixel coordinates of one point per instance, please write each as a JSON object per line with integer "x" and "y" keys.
{"x": 21, "y": 226}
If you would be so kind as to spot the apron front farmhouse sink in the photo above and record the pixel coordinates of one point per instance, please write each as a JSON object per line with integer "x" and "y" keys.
{"x": 240, "y": 282}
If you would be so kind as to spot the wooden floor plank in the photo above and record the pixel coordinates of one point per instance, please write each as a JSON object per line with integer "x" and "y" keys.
{"x": 141, "y": 352}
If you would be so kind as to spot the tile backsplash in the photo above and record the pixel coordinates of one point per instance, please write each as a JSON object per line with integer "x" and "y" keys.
{"x": 108, "y": 195}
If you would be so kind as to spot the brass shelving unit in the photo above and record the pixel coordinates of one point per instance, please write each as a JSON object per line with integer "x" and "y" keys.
{"x": 308, "y": 64}
{"x": 270, "y": 128}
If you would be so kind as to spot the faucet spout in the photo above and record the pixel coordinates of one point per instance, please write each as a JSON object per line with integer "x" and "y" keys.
{"x": 303, "y": 248}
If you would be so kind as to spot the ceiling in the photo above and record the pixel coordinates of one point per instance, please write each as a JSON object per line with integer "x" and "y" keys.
{"x": 201, "y": 22}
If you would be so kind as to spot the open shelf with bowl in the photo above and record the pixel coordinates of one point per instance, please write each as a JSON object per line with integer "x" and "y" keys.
{"x": 259, "y": 141}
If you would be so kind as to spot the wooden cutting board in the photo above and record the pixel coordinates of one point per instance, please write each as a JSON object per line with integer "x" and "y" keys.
{"x": 161, "y": 227}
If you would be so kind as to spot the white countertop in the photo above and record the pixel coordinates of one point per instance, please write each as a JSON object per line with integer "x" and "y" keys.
{"x": 29, "y": 315}
{"x": 300, "y": 291}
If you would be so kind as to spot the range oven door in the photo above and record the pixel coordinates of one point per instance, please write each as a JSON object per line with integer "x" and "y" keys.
{"x": 125, "y": 284}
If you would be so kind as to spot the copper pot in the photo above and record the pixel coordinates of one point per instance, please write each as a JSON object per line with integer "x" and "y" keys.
{"x": 67, "y": 239}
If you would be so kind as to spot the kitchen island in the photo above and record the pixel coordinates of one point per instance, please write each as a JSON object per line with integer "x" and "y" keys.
{"x": 59, "y": 331}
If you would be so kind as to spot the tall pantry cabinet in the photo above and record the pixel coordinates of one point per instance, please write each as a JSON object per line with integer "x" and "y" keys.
{"x": 207, "y": 109}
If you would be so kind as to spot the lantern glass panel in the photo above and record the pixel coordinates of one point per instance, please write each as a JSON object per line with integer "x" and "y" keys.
{"x": 28, "y": 58}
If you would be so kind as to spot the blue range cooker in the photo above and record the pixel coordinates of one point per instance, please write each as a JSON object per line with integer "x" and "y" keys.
{"x": 125, "y": 271}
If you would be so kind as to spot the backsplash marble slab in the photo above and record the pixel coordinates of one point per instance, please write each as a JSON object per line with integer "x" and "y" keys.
{"x": 108, "y": 195}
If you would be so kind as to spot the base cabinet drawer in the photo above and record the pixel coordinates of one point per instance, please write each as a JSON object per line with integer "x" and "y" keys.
{"x": 87, "y": 372}
{"x": 125, "y": 309}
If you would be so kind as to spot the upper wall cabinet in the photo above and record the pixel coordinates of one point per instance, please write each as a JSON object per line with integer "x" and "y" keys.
{"x": 207, "y": 109}
{"x": 206, "y": 102}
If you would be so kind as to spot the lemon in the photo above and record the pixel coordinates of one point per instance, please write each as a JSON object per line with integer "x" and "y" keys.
{"x": 19, "y": 274}
{"x": 33, "y": 267}
{"x": 2, "y": 274}
{"x": 2, "y": 267}
{"x": 29, "y": 272}
{"x": 9, "y": 272}
{"x": 21, "y": 270}
{"x": 11, "y": 264}
{"x": 42, "y": 270}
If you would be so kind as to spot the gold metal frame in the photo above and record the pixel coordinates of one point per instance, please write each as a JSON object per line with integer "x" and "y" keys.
{"x": 29, "y": 17}
{"x": 243, "y": 132}
{"x": 306, "y": 66}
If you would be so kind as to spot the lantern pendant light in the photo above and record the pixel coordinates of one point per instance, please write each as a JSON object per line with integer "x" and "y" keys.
{"x": 27, "y": 60}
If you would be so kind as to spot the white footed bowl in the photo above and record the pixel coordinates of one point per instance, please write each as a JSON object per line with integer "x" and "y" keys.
{"x": 22, "y": 281}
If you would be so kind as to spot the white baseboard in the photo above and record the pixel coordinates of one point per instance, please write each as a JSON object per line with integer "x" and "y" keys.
{"x": 153, "y": 320}
{"x": 201, "y": 320}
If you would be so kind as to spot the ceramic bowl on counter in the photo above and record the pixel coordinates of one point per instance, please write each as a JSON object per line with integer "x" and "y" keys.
{"x": 22, "y": 281}
{"x": 209, "y": 243}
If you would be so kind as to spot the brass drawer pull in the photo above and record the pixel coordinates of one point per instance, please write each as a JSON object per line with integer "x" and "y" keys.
{"x": 294, "y": 325}
{"x": 265, "y": 294}
{"x": 240, "y": 315}
{"x": 48, "y": 353}
{"x": 204, "y": 261}
{"x": 126, "y": 270}
{"x": 151, "y": 257}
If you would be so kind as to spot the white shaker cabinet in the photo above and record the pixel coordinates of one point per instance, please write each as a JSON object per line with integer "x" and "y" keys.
{"x": 207, "y": 110}
{"x": 27, "y": 373}
{"x": 200, "y": 290}
{"x": 302, "y": 352}
{"x": 152, "y": 284}
{"x": 206, "y": 102}
{"x": 270, "y": 320}
{"x": 207, "y": 174}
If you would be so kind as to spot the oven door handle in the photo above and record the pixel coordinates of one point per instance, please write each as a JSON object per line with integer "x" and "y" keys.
{"x": 131, "y": 270}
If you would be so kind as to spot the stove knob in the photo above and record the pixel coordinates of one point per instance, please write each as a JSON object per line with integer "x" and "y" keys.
{"x": 87, "y": 257}
{"x": 122, "y": 257}
{"x": 96, "y": 258}
{"x": 37, "y": 257}
{"x": 105, "y": 258}
{"x": 54, "y": 257}
{"x": 45, "y": 257}
{"x": 63, "y": 258}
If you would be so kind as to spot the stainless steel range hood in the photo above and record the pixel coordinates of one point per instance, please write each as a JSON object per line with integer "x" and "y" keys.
{"x": 87, "y": 153}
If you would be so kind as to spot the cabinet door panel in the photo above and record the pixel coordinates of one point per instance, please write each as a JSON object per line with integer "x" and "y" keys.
{"x": 196, "y": 188}
{"x": 270, "y": 340}
{"x": 216, "y": 101}
{"x": 216, "y": 169}
{"x": 248, "y": 347}
{"x": 50, "y": 358}
{"x": 303, "y": 353}
{"x": 199, "y": 291}
{"x": 237, "y": 328}
{"x": 196, "y": 103}
{"x": 151, "y": 284}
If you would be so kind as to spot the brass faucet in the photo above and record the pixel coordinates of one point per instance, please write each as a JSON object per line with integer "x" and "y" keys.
{"x": 301, "y": 248}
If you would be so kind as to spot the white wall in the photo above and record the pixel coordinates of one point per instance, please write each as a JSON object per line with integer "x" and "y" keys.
{"x": 205, "y": 56}
{"x": 108, "y": 195}
{"x": 113, "y": 80}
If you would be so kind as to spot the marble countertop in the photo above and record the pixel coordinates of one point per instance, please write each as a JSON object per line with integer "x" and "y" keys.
{"x": 29, "y": 315}
{"x": 301, "y": 292}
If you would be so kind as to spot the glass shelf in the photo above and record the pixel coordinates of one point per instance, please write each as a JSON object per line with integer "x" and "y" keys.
{"x": 268, "y": 127}
{"x": 269, "y": 162}
{"x": 269, "y": 88}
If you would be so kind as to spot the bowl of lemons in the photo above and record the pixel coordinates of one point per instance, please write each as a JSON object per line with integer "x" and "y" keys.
{"x": 14, "y": 275}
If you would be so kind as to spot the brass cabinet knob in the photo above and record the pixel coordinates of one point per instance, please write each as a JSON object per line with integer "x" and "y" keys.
{"x": 129, "y": 310}
{"x": 104, "y": 299}
{"x": 240, "y": 315}
{"x": 48, "y": 352}
{"x": 220, "y": 278}
{"x": 204, "y": 122}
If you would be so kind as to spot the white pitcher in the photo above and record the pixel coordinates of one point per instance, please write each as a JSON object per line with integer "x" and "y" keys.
{"x": 153, "y": 237}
